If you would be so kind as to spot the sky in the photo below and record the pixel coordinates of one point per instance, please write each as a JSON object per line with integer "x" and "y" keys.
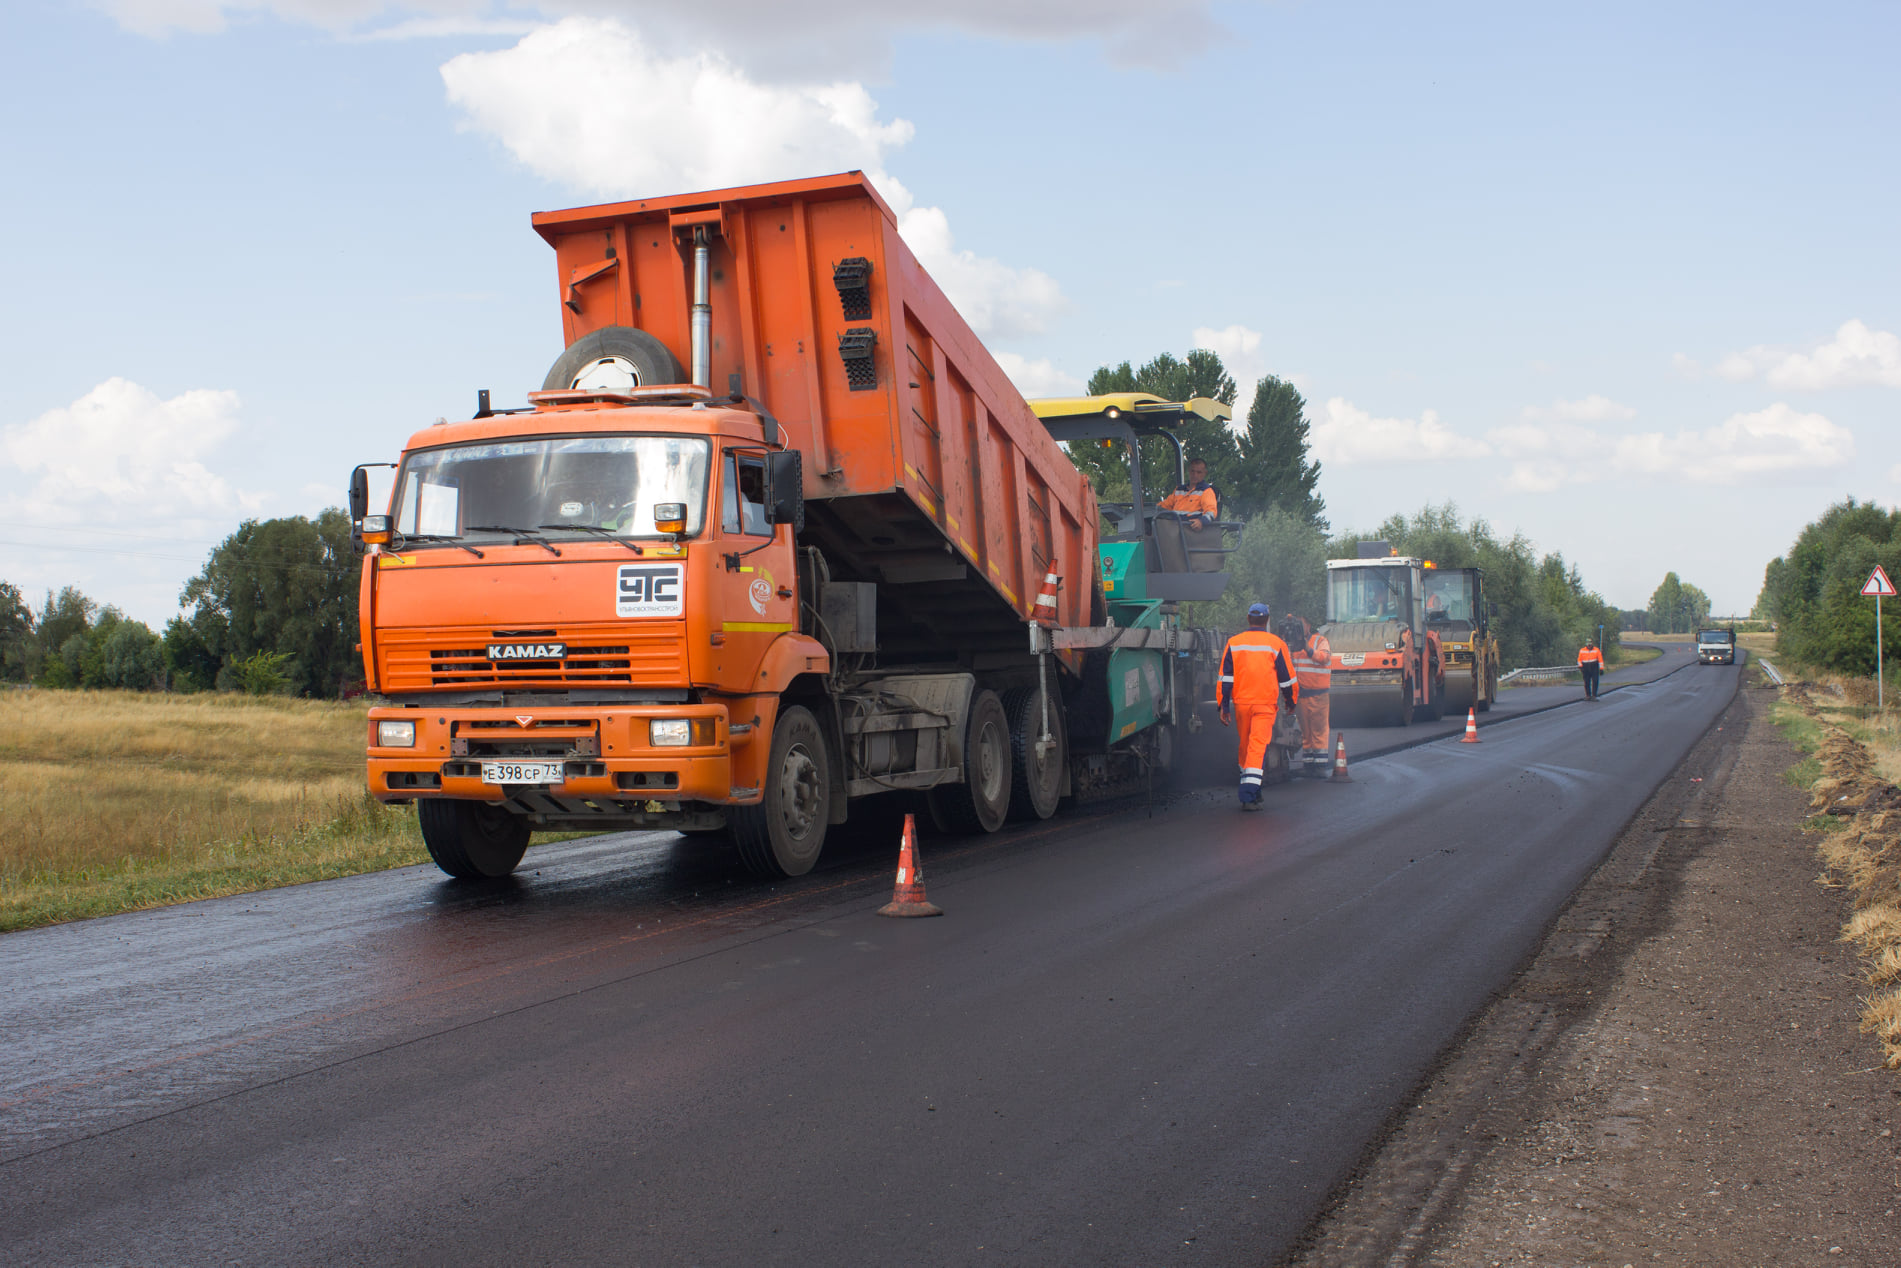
{"x": 1623, "y": 278}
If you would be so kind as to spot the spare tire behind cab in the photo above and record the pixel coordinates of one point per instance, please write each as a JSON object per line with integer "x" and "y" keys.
{"x": 614, "y": 357}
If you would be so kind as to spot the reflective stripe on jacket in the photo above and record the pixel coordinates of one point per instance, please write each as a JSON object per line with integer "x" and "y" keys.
{"x": 1200, "y": 500}
{"x": 1255, "y": 666}
{"x": 1313, "y": 665}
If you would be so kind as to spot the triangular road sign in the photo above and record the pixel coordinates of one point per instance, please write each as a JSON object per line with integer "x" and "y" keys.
{"x": 1878, "y": 584}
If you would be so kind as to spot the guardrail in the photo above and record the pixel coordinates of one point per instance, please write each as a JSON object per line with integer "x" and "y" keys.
{"x": 1550, "y": 671}
{"x": 1769, "y": 669}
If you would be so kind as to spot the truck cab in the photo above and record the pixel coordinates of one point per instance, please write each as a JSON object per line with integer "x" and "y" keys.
{"x": 1716, "y": 647}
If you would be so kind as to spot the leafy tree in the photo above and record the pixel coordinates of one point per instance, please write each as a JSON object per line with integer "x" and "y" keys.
{"x": 1677, "y": 607}
{"x": 284, "y": 586}
{"x": 19, "y": 647}
{"x": 1273, "y": 469}
{"x": 124, "y": 653}
{"x": 66, "y": 616}
{"x": 1813, "y": 593}
{"x": 263, "y": 673}
{"x": 190, "y": 664}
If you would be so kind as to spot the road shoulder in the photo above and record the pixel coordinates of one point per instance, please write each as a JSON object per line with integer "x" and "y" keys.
{"x": 1678, "y": 1075}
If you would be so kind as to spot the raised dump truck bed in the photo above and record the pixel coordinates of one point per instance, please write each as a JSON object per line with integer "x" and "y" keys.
{"x": 924, "y": 470}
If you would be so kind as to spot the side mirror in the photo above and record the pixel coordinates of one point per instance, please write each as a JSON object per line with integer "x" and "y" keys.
{"x": 359, "y": 494}
{"x": 785, "y": 489}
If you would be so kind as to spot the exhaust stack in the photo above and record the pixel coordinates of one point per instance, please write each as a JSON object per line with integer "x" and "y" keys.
{"x": 702, "y": 310}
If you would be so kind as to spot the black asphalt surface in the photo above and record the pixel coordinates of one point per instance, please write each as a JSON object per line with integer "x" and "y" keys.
{"x": 1130, "y": 1040}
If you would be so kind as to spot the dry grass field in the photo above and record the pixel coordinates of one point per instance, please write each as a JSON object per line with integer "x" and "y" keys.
{"x": 113, "y": 800}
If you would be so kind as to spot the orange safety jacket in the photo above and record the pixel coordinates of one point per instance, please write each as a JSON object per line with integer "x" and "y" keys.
{"x": 1591, "y": 656}
{"x": 1255, "y": 669}
{"x": 1313, "y": 665}
{"x": 1200, "y": 500}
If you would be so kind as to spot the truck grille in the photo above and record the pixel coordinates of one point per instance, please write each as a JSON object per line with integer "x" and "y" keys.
{"x": 412, "y": 659}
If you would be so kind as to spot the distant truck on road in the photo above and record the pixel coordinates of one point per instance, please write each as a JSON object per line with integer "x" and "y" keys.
{"x": 776, "y": 534}
{"x": 1716, "y": 647}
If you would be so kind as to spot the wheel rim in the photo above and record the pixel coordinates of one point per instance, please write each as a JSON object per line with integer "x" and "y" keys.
{"x": 990, "y": 764}
{"x": 609, "y": 374}
{"x": 801, "y": 792}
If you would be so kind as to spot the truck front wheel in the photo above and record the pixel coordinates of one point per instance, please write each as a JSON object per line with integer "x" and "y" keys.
{"x": 472, "y": 840}
{"x": 982, "y": 801}
{"x": 783, "y": 834}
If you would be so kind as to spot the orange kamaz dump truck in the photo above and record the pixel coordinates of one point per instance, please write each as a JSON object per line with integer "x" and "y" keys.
{"x": 776, "y": 533}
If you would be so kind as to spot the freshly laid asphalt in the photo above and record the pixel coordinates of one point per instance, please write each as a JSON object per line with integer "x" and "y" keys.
{"x": 1128, "y": 1040}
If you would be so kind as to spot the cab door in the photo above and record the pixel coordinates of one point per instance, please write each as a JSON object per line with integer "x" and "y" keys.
{"x": 753, "y": 575}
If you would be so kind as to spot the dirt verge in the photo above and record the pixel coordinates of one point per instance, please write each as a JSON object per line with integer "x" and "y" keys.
{"x": 1677, "y": 1078}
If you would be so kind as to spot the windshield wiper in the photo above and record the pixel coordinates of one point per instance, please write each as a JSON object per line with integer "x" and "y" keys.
{"x": 521, "y": 535}
{"x": 607, "y": 533}
{"x": 435, "y": 537}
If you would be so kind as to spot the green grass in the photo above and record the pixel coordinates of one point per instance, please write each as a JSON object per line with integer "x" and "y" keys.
{"x": 1804, "y": 773}
{"x": 1797, "y": 727}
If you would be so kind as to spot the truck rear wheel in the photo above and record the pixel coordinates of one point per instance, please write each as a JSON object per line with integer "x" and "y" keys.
{"x": 614, "y": 357}
{"x": 982, "y": 802}
{"x": 1036, "y": 783}
{"x": 783, "y": 834}
{"x": 472, "y": 840}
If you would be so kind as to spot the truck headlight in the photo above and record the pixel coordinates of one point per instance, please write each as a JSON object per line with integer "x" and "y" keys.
{"x": 396, "y": 734}
{"x": 669, "y": 732}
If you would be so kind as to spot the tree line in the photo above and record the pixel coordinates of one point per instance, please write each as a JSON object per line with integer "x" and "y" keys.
{"x": 274, "y": 609}
{"x": 1813, "y": 592}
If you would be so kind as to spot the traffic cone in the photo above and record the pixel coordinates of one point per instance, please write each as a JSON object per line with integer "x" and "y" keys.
{"x": 1340, "y": 775}
{"x": 1044, "y": 610}
{"x": 1471, "y": 727}
{"x": 907, "y": 896}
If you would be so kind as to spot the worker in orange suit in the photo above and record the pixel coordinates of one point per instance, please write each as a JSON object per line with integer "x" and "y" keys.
{"x": 1257, "y": 676}
{"x": 1195, "y": 502}
{"x": 1313, "y": 668}
{"x": 1591, "y": 662}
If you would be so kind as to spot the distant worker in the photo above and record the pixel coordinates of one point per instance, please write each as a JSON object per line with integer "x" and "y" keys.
{"x": 1257, "y": 676}
{"x": 1591, "y": 662}
{"x": 1195, "y": 502}
{"x": 1313, "y": 667}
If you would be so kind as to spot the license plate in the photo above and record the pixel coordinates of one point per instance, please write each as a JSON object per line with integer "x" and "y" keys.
{"x": 523, "y": 772}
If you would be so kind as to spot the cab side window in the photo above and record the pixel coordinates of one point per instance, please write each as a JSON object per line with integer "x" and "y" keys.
{"x": 743, "y": 496}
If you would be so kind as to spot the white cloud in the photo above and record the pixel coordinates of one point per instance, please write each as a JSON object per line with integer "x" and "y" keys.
{"x": 1592, "y": 409}
{"x": 1240, "y": 351}
{"x": 1039, "y": 377}
{"x": 207, "y": 17}
{"x": 1776, "y": 442}
{"x": 1857, "y": 356}
{"x": 1745, "y": 447}
{"x": 588, "y": 103}
{"x": 1347, "y": 435}
{"x": 444, "y": 28}
{"x": 121, "y": 455}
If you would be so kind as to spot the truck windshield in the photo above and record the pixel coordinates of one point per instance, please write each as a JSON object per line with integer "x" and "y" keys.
{"x": 1448, "y": 596}
{"x": 587, "y": 483}
{"x": 1368, "y": 594}
{"x": 1713, "y": 636}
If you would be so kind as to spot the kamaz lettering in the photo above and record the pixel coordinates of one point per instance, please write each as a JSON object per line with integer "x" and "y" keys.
{"x": 527, "y": 651}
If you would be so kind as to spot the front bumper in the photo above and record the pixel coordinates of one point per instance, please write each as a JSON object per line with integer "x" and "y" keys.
{"x": 609, "y": 764}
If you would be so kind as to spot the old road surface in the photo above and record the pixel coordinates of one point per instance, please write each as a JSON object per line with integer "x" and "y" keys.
{"x": 1130, "y": 1040}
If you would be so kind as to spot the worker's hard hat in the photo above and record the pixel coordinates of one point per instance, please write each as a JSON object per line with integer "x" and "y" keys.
{"x": 1259, "y": 609}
